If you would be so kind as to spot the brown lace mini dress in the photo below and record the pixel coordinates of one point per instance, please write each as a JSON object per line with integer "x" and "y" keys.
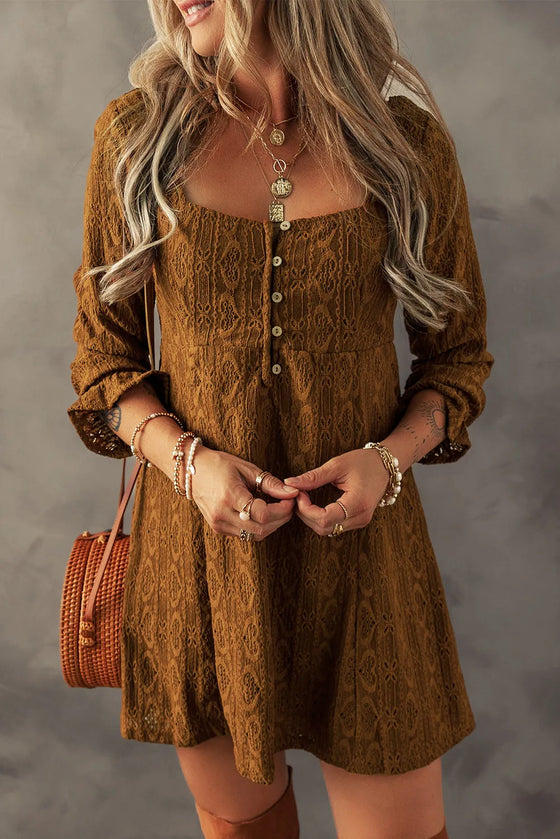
{"x": 277, "y": 346}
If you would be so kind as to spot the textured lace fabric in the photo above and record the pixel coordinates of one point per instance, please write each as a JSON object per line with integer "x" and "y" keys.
{"x": 277, "y": 346}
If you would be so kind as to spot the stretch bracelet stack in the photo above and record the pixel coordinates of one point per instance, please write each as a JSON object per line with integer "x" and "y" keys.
{"x": 395, "y": 476}
{"x": 178, "y": 455}
{"x": 135, "y": 451}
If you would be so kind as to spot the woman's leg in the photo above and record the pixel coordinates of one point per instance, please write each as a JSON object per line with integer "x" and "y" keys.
{"x": 216, "y": 785}
{"x": 407, "y": 806}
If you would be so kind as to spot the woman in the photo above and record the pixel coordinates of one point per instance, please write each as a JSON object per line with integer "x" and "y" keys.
{"x": 283, "y": 204}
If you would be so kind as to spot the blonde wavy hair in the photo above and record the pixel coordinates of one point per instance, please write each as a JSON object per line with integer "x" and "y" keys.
{"x": 342, "y": 56}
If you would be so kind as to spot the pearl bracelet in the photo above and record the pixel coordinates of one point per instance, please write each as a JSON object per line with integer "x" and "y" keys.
{"x": 135, "y": 451}
{"x": 395, "y": 476}
{"x": 189, "y": 469}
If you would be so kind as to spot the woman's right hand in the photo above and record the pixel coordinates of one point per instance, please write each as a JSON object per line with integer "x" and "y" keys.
{"x": 223, "y": 484}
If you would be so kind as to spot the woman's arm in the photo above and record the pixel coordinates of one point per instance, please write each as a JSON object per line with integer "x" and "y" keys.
{"x": 112, "y": 353}
{"x": 420, "y": 429}
{"x": 452, "y": 363}
{"x": 158, "y": 437}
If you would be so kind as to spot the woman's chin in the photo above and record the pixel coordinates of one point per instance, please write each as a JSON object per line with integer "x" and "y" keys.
{"x": 205, "y": 50}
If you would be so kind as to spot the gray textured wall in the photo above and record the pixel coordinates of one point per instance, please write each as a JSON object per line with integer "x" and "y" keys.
{"x": 493, "y": 517}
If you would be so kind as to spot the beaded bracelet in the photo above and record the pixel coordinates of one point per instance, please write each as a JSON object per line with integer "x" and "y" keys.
{"x": 178, "y": 455}
{"x": 395, "y": 477}
{"x": 135, "y": 451}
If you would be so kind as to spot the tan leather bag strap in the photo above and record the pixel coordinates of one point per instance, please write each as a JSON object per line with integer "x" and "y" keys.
{"x": 149, "y": 308}
{"x": 124, "y": 494}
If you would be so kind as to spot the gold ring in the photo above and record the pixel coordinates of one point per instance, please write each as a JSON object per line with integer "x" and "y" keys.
{"x": 259, "y": 480}
{"x": 337, "y": 529}
{"x": 346, "y": 514}
{"x": 245, "y": 535}
{"x": 245, "y": 514}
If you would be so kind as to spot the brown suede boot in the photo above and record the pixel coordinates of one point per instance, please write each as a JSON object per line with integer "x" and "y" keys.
{"x": 280, "y": 821}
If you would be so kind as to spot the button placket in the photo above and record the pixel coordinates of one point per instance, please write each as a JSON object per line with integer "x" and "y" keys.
{"x": 277, "y": 296}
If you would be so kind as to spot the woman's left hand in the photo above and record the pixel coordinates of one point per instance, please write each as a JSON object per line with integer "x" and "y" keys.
{"x": 362, "y": 478}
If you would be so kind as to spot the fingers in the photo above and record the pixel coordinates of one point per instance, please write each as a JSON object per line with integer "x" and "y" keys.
{"x": 265, "y": 517}
{"x": 270, "y": 515}
{"x": 323, "y": 519}
{"x": 271, "y": 485}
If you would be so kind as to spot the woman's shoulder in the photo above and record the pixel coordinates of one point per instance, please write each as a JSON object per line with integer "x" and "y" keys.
{"x": 413, "y": 120}
{"x": 424, "y": 132}
{"x": 120, "y": 115}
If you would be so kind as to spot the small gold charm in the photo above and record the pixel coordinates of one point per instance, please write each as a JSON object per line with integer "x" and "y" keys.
{"x": 281, "y": 187}
{"x": 277, "y": 137}
{"x": 276, "y": 211}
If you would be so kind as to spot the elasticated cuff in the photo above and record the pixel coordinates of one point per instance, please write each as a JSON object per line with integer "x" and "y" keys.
{"x": 92, "y": 428}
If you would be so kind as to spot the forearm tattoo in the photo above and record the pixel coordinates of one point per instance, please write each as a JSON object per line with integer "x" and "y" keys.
{"x": 432, "y": 431}
{"x": 112, "y": 416}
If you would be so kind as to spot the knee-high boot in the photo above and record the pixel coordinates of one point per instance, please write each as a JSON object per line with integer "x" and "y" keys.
{"x": 280, "y": 821}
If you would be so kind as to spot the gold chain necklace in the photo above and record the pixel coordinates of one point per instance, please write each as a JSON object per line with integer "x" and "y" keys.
{"x": 276, "y": 136}
{"x": 282, "y": 186}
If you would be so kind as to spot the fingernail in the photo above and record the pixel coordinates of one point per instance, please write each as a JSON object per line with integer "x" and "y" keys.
{"x": 291, "y": 479}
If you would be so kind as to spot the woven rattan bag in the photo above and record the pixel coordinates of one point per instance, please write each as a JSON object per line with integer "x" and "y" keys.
{"x": 91, "y": 607}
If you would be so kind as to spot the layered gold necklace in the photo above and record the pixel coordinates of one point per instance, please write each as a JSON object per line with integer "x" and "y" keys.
{"x": 276, "y": 136}
{"x": 282, "y": 186}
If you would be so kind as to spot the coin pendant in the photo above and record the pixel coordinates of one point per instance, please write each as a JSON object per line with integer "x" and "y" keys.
{"x": 281, "y": 187}
{"x": 277, "y": 137}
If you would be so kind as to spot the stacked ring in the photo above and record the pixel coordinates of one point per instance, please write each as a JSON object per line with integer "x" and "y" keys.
{"x": 245, "y": 514}
{"x": 259, "y": 480}
{"x": 338, "y": 528}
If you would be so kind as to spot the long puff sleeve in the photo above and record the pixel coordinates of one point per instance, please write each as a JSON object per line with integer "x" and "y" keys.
{"x": 112, "y": 352}
{"x": 454, "y": 361}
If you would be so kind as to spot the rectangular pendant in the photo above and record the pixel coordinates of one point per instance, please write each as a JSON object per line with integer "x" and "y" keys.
{"x": 276, "y": 211}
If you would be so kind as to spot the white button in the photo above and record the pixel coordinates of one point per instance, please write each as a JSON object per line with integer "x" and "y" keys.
{"x": 285, "y": 225}
{"x": 276, "y": 368}
{"x": 276, "y": 330}
{"x": 277, "y": 260}
{"x": 277, "y": 296}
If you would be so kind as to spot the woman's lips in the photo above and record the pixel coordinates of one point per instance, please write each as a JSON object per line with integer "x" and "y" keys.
{"x": 195, "y": 17}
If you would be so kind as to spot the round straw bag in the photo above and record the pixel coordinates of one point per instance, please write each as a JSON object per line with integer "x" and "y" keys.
{"x": 92, "y": 603}
{"x": 91, "y": 608}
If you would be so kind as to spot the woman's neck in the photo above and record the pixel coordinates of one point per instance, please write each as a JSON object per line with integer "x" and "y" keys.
{"x": 277, "y": 83}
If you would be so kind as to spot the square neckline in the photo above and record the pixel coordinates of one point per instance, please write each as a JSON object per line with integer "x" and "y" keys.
{"x": 191, "y": 206}
{"x": 202, "y": 209}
